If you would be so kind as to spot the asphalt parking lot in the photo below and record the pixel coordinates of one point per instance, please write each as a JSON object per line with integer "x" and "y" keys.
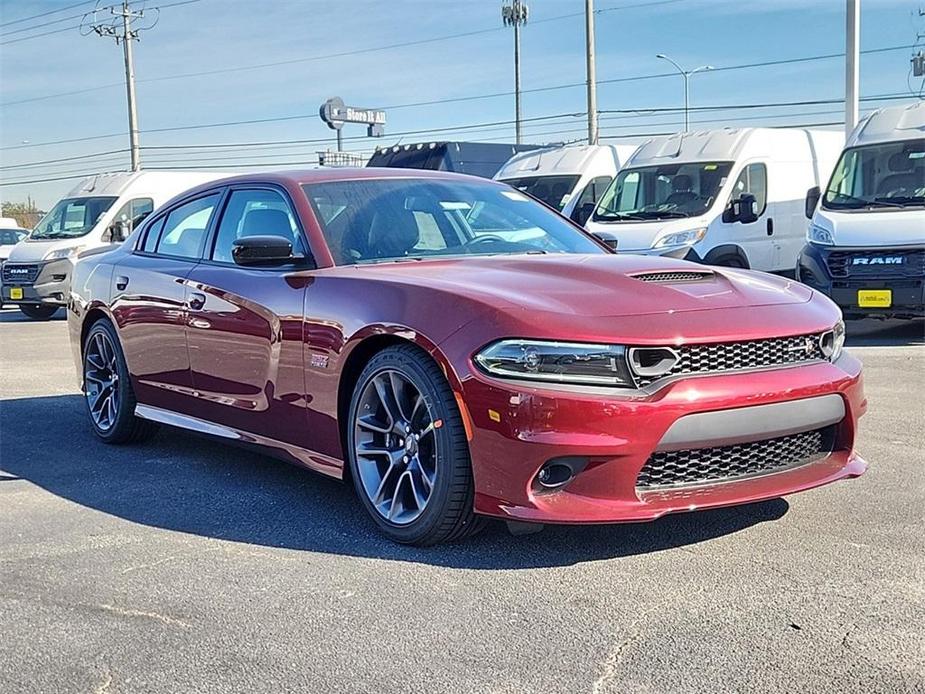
{"x": 187, "y": 566}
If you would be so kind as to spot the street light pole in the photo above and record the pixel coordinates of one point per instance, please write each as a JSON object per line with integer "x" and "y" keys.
{"x": 514, "y": 14}
{"x": 686, "y": 74}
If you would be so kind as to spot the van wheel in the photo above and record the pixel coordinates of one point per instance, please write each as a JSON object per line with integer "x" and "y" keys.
{"x": 108, "y": 390}
{"x": 408, "y": 452}
{"x": 731, "y": 261}
{"x": 38, "y": 311}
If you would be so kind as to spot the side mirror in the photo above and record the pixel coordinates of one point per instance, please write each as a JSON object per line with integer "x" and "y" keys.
{"x": 116, "y": 232}
{"x": 608, "y": 238}
{"x": 583, "y": 213}
{"x": 812, "y": 200}
{"x": 743, "y": 209}
{"x": 262, "y": 250}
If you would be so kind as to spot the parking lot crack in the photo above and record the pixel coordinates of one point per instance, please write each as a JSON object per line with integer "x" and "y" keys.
{"x": 103, "y": 686}
{"x": 612, "y": 662}
{"x": 164, "y": 619}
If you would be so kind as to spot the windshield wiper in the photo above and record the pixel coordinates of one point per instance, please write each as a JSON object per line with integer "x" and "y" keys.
{"x": 867, "y": 202}
{"x": 613, "y": 214}
{"x": 901, "y": 200}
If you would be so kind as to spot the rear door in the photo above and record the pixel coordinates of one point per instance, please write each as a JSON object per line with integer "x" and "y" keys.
{"x": 245, "y": 323}
{"x": 150, "y": 302}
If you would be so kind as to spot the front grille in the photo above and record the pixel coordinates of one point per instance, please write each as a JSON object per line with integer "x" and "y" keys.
{"x": 860, "y": 263}
{"x": 673, "y": 276}
{"x": 723, "y": 463}
{"x": 740, "y": 356}
{"x": 20, "y": 273}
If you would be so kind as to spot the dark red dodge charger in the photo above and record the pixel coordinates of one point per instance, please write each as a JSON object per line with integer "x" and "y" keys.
{"x": 457, "y": 348}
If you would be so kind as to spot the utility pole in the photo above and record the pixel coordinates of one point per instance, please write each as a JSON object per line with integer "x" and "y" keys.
{"x": 514, "y": 14}
{"x": 592, "y": 78}
{"x": 123, "y": 33}
{"x": 852, "y": 58}
{"x": 686, "y": 74}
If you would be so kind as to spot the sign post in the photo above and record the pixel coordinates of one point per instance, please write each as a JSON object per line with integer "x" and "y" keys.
{"x": 335, "y": 113}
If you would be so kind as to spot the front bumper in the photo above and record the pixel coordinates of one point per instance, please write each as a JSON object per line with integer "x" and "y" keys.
{"x": 906, "y": 283}
{"x": 516, "y": 429}
{"x": 44, "y": 283}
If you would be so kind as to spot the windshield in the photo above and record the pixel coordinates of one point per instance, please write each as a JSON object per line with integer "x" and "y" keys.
{"x": 889, "y": 174}
{"x": 71, "y": 217}
{"x": 555, "y": 191}
{"x": 662, "y": 192}
{"x": 8, "y": 237}
{"x": 368, "y": 221}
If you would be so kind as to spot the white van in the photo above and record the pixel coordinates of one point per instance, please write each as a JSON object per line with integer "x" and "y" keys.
{"x": 568, "y": 178}
{"x": 866, "y": 245}
{"x": 101, "y": 210}
{"x": 732, "y": 197}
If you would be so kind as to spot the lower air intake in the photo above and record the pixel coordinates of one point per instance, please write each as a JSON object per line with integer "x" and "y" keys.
{"x": 697, "y": 466}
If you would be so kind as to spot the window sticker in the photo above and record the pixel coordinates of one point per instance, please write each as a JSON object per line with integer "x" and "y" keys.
{"x": 449, "y": 205}
{"x": 514, "y": 195}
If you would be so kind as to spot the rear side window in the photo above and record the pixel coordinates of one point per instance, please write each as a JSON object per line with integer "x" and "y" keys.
{"x": 185, "y": 228}
{"x": 154, "y": 233}
{"x": 754, "y": 180}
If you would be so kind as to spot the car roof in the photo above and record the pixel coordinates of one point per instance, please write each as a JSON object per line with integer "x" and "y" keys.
{"x": 324, "y": 175}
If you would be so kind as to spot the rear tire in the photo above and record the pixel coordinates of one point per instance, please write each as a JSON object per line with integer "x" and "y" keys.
{"x": 731, "y": 261}
{"x": 38, "y": 311}
{"x": 109, "y": 398}
{"x": 408, "y": 452}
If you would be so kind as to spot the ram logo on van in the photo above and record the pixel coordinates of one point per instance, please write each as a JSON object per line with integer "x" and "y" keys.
{"x": 887, "y": 260}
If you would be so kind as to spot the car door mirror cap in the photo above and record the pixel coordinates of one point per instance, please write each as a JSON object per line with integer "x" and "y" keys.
{"x": 266, "y": 250}
{"x": 812, "y": 200}
{"x": 744, "y": 209}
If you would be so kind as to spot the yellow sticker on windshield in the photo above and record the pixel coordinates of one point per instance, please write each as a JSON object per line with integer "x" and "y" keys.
{"x": 710, "y": 167}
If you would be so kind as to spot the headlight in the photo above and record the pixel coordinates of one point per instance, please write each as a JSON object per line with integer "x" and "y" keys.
{"x": 63, "y": 253}
{"x": 681, "y": 238}
{"x": 557, "y": 362}
{"x": 832, "y": 341}
{"x": 817, "y": 234}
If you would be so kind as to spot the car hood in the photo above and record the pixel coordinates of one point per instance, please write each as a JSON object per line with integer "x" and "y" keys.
{"x": 591, "y": 285}
{"x": 641, "y": 236}
{"x": 6, "y": 250}
{"x": 875, "y": 228}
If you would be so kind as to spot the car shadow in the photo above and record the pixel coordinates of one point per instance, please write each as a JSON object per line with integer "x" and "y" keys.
{"x": 11, "y": 314}
{"x": 870, "y": 332}
{"x": 191, "y": 484}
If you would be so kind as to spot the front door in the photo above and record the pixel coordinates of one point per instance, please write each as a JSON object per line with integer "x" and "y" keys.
{"x": 245, "y": 324}
{"x": 756, "y": 238}
{"x": 150, "y": 303}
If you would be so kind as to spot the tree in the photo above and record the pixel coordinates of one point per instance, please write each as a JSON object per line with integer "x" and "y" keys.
{"x": 26, "y": 213}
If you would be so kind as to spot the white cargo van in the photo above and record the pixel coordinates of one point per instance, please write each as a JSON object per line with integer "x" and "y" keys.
{"x": 569, "y": 178}
{"x": 731, "y": 197}
{"x": 866, "y": 245}
{"x": 101, "y": 210}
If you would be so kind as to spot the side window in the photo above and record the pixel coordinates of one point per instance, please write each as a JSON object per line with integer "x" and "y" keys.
{"x": 592, "y": 193}
{"x": 154, "y": 233}
{"x": 131, "y": 214}
{"x": 255, "y": 213}
{"x": 185, "y": 228}
{"x": 754, "y": 180}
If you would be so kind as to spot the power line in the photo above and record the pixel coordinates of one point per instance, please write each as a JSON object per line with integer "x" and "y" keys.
{"x": 45, "y": 14}
{"x": 42, "y": 25}
{"x": 36, "y": 36}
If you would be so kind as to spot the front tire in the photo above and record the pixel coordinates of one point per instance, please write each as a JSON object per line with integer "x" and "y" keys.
{"x": 38, "y": 311}
{"x": 407, "y": 450}
{"x": 109, "y": 397}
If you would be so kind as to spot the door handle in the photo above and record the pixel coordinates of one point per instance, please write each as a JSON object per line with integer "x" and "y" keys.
{"x": 121, "y": 282}
{"x": 196, "y": 301}
{"x": 770, "y": 227}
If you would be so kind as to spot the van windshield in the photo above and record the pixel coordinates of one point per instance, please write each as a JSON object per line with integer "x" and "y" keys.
{"x": 555, "y": 191}
{"x": 888, "y": 174}
{"x": 71, "y": 218}
{"x": 665, "y": 191}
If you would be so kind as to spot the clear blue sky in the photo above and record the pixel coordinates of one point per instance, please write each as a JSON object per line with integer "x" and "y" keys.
{"x": 229, "y": 35}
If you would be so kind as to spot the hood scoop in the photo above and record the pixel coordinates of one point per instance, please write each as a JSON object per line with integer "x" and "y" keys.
{"x": 675, "y": 276}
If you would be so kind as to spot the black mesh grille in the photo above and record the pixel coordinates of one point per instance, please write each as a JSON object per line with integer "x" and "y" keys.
{"x": 739, "y": 356}
{"x": 674, "y": 276}
{"x": 722, "y": 463}
{"x": 877, "y": 263}
{"x": 20, "y": 273}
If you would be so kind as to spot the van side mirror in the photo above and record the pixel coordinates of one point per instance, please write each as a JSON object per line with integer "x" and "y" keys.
{"x": 262, "y": 250}
{"x": 583, "y": 213}
{"x": 608, "y": 238}
{"x": 744, "y": 209}
{"x": 116, "y": 232}
{"x": 812, "y": 200}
